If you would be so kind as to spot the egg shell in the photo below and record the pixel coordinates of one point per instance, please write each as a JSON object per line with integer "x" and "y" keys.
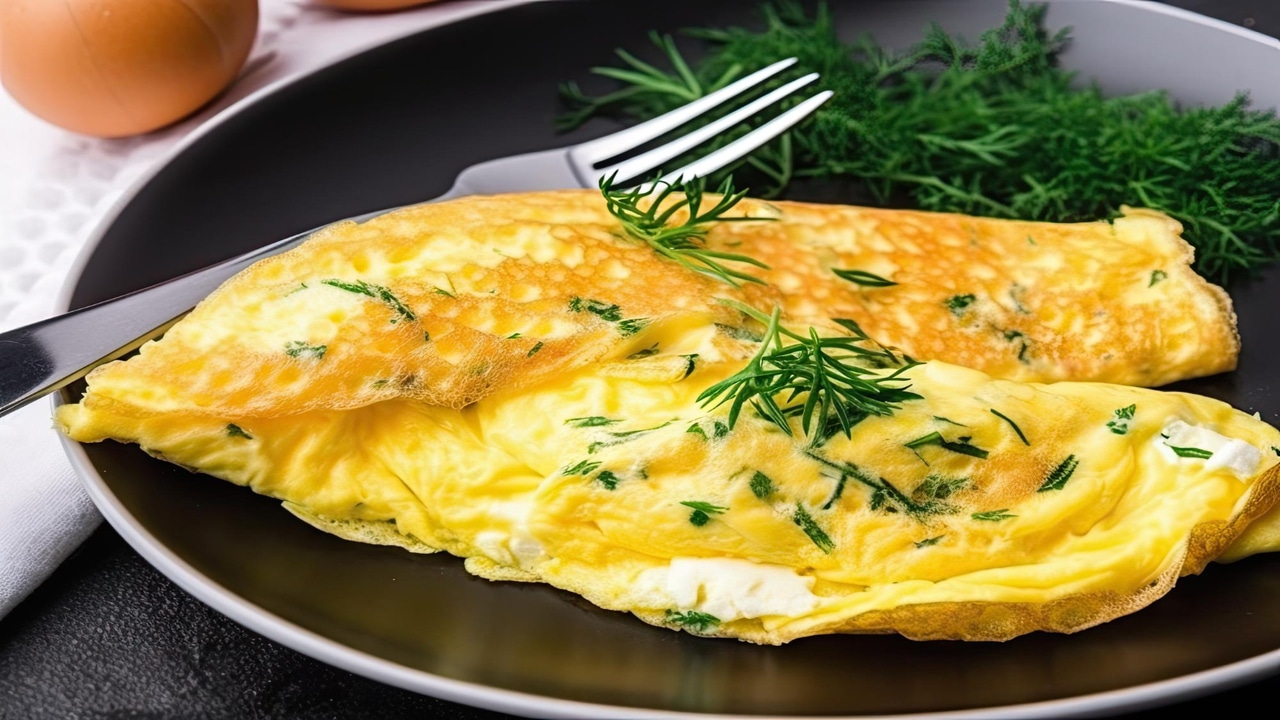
{"x": 112, "y": 68}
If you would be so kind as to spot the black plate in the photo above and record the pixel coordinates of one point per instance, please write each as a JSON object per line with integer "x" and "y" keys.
{"x": 394, "y": 126}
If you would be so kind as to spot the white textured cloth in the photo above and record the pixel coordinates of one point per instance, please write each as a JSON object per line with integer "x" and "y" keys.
{"x": 55, "y": 188}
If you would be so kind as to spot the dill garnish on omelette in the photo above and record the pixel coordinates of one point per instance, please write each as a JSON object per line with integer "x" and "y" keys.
{"x": 775, "y": 421}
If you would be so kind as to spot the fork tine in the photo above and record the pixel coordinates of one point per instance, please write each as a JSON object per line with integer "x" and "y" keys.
{"x": 745, "y": 144}
{"x": 593, "y": 151}
{"x": 653, "y": 159}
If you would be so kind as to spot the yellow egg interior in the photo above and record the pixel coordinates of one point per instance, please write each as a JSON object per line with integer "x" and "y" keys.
{"x": 516, "y": 382}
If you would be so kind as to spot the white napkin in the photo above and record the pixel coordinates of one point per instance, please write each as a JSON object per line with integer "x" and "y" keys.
{"x": 55, "y": 188}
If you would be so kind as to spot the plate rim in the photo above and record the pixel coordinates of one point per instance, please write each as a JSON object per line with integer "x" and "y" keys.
{"x": 337, "y": 654}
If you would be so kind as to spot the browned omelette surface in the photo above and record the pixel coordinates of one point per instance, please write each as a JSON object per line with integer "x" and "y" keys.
{"x": 489, "y": 279}
{"x": 515, "y": 380}
{"x": 1107, "y": 302}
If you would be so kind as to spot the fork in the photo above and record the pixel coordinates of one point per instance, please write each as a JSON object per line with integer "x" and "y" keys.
{"x": 40, "y": 358}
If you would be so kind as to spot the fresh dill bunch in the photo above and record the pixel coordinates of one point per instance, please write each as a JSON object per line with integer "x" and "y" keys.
{"x": 996, "y": 128}
{"x": 647, "y": 213}
{"x": 833, "y": 374}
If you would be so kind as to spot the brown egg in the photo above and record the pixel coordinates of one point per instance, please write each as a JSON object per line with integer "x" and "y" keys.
{"x": 370, "y": 4}
{"x": 121, "y": 67}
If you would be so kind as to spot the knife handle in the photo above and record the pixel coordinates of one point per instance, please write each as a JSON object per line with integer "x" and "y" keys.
{"x": 42, "y": 357}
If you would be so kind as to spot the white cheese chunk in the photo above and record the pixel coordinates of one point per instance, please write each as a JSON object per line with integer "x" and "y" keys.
{"x": 516, "y": 547}
{"x": 1236, "y": 455}
{"x": 731, "y": 588}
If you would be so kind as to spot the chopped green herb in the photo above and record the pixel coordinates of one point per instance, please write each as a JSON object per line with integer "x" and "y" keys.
{"x": 380, "y": 383}
{"x": 962, "y": 446}
{"x": 937, "y": 488}
{"x": 590, "y": 421}
{"x": 812, "y": 529}
{"x": 739, "y": 333}
{"x": 718, "y": 430}
{"x": 533, "y": 350}
{"x": 619, "y": 437}
{"x": 702, "y": 511}
{"x": 234, "y": 430}
{"x": 835, "y": 495}
{"x": 584, "y": 467}
{"x": 378, "y": 292}
{"x": 300, "y": 349}
{"x": 605, "y": 311}
{"x": 1275, "y": 450}
{"x": 705, "y": 507}
{"x": 693, "y": 620}
{"x": 949, "y": 421}
{"x": 685, "y": 244}
{"x": 446, "y": 293}
{"x": 863, "y": 278}
{"x": 651, "y": 350}
{"x": 1191, "y": 452}
{"x": 426, "y": 337}
{"x": 1023, "y": 343}
{"x": 929, "y": 541}
{"x": 993, "y": 515}
{"x": 631, "y": 326}
{"x": 958, "y": 304}
{"x": 301, "y": 286}
{"x": 608, "y": 479}
{"x": 1012, "y": 424}
{"x": 691, "y": 362}
{"x": 1120, "y": 423}
{"x": 1058, "y": 478}
{"x": 884, "y": 495}
{"x": 1157, "y": 276}
{"x": 824, "y": 370}
{"x": 761, "y": 485}
{"x": 513, "y": 336}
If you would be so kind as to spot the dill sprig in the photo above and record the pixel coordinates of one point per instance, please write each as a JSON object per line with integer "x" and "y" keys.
{"x": 997, "y": 129}
{"x": 830, "y": 372}
{"x": 684, "y": 243}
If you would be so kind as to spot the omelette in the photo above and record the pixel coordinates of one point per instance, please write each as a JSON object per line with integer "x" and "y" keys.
{"x": 907, "y": 423}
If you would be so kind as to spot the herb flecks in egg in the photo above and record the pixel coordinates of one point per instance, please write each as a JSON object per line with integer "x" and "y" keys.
{"x": 1021, "y": 436}
{"x": 702, "y": 511}
{"x": 234, "y": 430}
{"x": 303, "y": 350}
{"x": 378, "y": 292}
{"x": 961, "y": 445}
{"x": 802, "y": 518}
{"x": 863, "y": 278}
{"x": 692, "y": 619}
{"x": 1058, "y": 477}
{"x": 1120, "y": 423}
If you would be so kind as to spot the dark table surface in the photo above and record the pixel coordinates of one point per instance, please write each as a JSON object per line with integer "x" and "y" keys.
{"x": 109, "y": 636}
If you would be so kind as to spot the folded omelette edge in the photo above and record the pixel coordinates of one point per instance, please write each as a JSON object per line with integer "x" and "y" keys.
{"x": 513, "y": 380}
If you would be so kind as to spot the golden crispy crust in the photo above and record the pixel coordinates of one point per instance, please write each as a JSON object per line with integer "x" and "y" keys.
{"x": 1038, "y": 301}
{"x": 451, "y": 304}
{"x": 1032, "y": 301}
